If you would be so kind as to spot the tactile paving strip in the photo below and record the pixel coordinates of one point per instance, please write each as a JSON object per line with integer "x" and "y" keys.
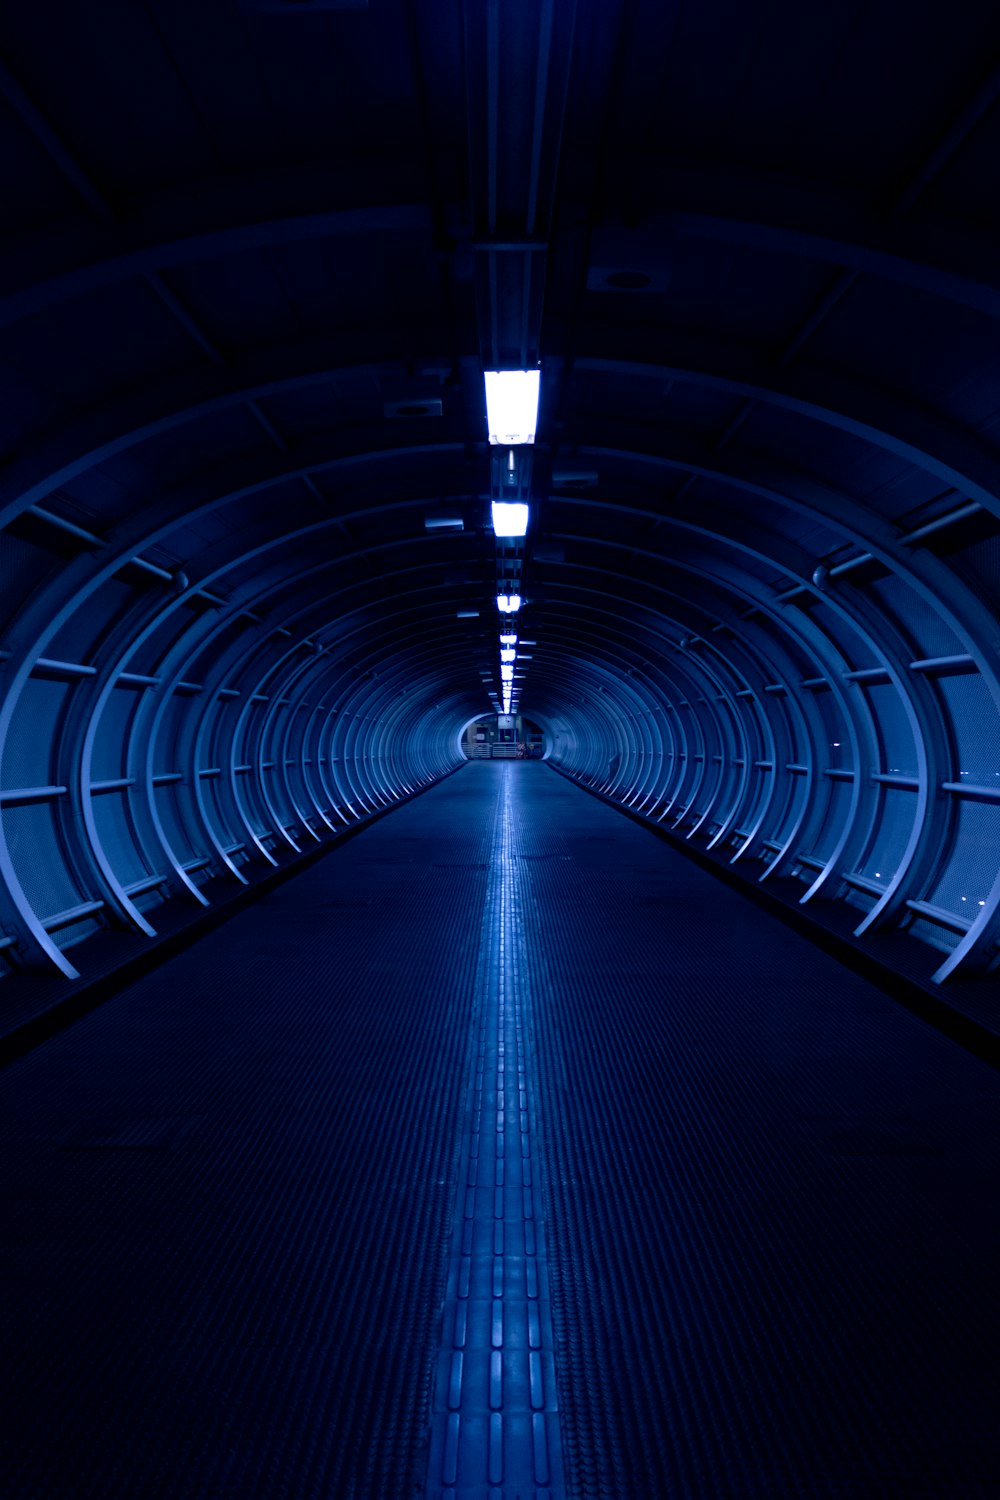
{"x": 495, "y": 1432}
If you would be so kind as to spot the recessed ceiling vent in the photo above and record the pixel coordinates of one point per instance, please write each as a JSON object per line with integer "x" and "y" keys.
{"x": 407, "y": 398}
{"x": 629, "y": 261}
{"x": 565, "y": 477}
{"x": 411, "y": 407}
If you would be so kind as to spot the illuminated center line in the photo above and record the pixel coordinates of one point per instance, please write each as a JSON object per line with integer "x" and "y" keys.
{"x": 494, "y": 1424}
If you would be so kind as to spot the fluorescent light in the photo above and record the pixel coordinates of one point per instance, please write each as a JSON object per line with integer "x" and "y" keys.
{"x": 507, "y": 673}
{"x": 507, "y": 653}
{"x": 508, "y": 604}
{"x": 512, "y": 405}
{"x": 511, "y": 640}
{"x": 509, "y": 518}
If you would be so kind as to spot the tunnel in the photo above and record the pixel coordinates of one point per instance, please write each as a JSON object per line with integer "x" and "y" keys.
{"x": 499, "y": 903}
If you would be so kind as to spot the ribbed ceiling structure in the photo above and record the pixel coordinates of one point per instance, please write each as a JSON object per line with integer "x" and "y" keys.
{"x": 257, "y": 255}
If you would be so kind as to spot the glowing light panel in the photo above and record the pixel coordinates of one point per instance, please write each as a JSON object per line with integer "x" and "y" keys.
{"x": 509, "y": 518}
{"x": 512, "y": 405}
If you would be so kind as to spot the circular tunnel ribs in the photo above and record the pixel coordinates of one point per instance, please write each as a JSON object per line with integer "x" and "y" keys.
{"x": 853, "y": 630}
{"x": 380, "y": 700}
{"x": 228, "y": 632}
{"x": 902, "y": 551}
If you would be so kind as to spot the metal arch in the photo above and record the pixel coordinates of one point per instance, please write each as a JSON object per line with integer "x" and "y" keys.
{"x": 920, "y": 437}
{"x": 758, "y": 668}
{"x": 962, "y": 612}
{"x": 282, "y": 675}
{"x": 592, "y": 734}
{"x": 781, "y": 497}
{"x": 51, "y": 623}
{"x": 389, "y": 677}
{"x": 74, "y": 749}
{"x": 956, "y": 605}
{"x": 946, "y": 260}
{"x": 389, "y": 667}
{"x": 427, "y": 767}
{"x": 212, "y": 745}
{"x": 339, "y": 755}
{"x": 595, "y": 729}
{"x": 926, "y": 844}
{"x": 32, "y": 942}
{"x": 954, "y": 455}
{"x": 760, "y": 662}
{"x": 867, "y": 529}
{"x": 291, "y": 672}
{"x": 320, "y": 792}
{"x": 741, "y": 591}
{"x": 225, "y": 617}
{"x": 581, "y": 754}
{"x": 127, "y": 421}
{"x": 173, "y": 668}
{"x": 130, "y": 260}
{"x": 173, "y": 664}
{"x": 619, "y": 683}
{"x": 665, "y": 704}
{"x": 855, "y": 621}
{"x": 925, "y": 256}
{"x": 821, "y": 655}
{"x": 307, "y": 679}
{"x": 353, "y": 720}
{"x": 244, "y": 479}
{"x": 968, "y": 620}
{"x": 663, "y": 667}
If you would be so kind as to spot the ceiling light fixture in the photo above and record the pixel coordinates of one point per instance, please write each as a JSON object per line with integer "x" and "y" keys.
{"x": 512, "y": 405}
{"x": 510, "y": 518}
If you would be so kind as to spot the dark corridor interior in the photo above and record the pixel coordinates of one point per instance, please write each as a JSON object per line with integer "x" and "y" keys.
{"x": 499, "y": 577}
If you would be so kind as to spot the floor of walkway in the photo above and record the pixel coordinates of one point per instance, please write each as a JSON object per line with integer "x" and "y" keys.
{"x": 503, "y": 1153}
